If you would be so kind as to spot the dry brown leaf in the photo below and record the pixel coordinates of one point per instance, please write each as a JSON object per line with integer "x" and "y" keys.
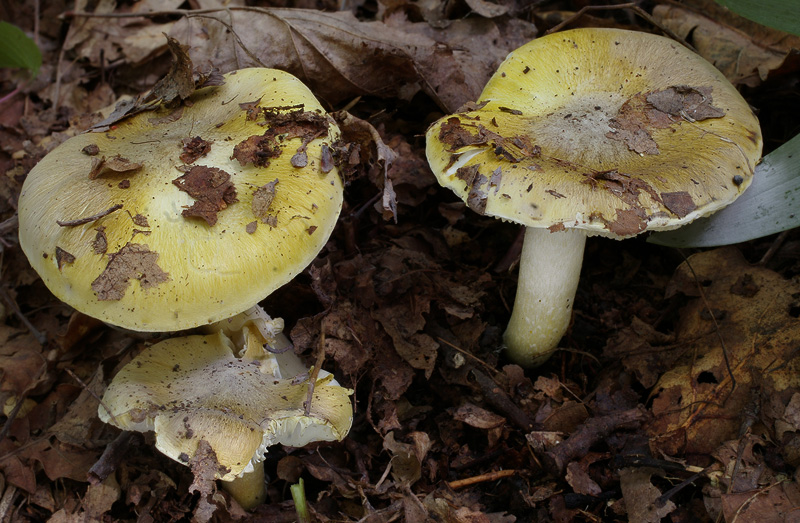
{"x": 579, "y": 480}
{"x": 23, "y": 370}
{"x": 774, "y": 502}
{"x": 406, "y": 459}
{"x": 101, "y": 41}
{"x": 76, "y": 426}
{"x": 340, "y": 57}
{"x": 60, "y": 460}
{"x": 477, "y": 417}
{"x": 747, "y": 466}
{"x": 640, "y": 495}
{"x": 14, "y": 470}
{"x": 643, "y": 350}
{"x": 743, "y": 57}
{"x": 487, "y": 9}
{"x": 402, "y": 322}
{"x": 99, "y": 498}
{"x": 694, "y": 407}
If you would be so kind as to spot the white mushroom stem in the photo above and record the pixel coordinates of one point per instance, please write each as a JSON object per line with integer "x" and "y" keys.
{"x": 549, "y": 270}
{"x": 250, "y": 489}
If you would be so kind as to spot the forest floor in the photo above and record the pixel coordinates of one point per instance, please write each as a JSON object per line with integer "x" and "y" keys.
{"x": 672, "y": 397}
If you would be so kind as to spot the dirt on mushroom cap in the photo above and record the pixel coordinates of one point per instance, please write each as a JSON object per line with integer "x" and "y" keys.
{"x": 215, "y": 265}
{"x": 193, "y": 388}
{"x": 605, "y": 130}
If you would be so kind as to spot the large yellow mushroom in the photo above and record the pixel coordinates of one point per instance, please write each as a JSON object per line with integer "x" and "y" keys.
{"x": 592, "y": 132}
{"x": 186, "y": 215}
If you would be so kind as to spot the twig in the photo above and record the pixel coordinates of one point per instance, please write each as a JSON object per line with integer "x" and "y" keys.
{"x": 482, "y": 478}
{"x": 754, "y": 496}
{"x": 8, "y": 225}
{"x": 10, "y": 95}
{"x": 663, "y": 498}
{"x": 95, "y": 396}
{"x": 7, "y": 502}
{"x": 89, "y": 219}
{"x": 469, "y": 354}
{"x": 593, "y": 430}
{"x": 773, "y": 249}
{"x": 111, "y": 458}
{"x": 497, "y": 398}
{"x": 11, "y": 417}
{"x": 312, "y": 380}
{"x": 633, "y": 7}
{"x": 714, "y": 321}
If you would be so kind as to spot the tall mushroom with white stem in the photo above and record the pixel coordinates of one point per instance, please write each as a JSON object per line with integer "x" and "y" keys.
{"x": 592, "y": 132}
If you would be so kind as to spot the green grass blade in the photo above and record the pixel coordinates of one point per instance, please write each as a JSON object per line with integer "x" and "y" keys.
{"x": 771, "y": 204}
{"x": 780, "y": 14}
{"x": 299, "y": 496}
{"x": 17, "y": 50}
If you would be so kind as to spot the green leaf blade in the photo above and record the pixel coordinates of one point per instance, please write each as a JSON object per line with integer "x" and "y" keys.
{"x": 770, "y": 205}
{"x": 17, "y": 50}
{"x": 780, "y": 14}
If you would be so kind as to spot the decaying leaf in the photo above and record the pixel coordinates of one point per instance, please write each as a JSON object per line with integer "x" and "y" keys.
{"x": 178, "y": 83}
{"x": 777, "y": 501}
{"x": 204, "y": 466}
{"x": 115, "y": 164}
{"x": 262, "y": 199}
{"x": 640, "y": 495}
{"x": 643, "y": 351}
{"x": 324, "y": 50}
{"x": 194, "y": 148}
{"x": 745, "y": 57}
{"x": 751, "y": 339}
{"x": 211, "y": 187}
{"x": 133, "y": 261}
{"x": 363, "y": 146}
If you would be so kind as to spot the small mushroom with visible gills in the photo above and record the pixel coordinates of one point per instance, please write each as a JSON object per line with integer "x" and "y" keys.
{"x": 592, "y": 132}
{"x": 183, "y": 216}
{"x": 194, "y": 388}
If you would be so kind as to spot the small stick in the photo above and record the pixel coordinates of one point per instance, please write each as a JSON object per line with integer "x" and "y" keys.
{"x": 633, "y": 7}
{"x": 662, "y": 499}
{"x": 312, "y": 380}
{"x": 500, "y": 400}
{"x": 586, "y": 435}
{"x": 468, "y": 354}
{"x": 94, "y": 395}
{"x": 774, "y": 248}
{"x": 482, "y": 478}
{"x": 8, "y": 225}
{"x": 11, "y": 417}
{"x": 89, "y": 219}
{"x": 111, "y": 458}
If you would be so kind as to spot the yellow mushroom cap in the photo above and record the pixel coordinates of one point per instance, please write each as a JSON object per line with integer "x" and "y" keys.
{"x": 204, "y": 209}
{"x": 193, "y": 388}
{"x": 605, "y": 130}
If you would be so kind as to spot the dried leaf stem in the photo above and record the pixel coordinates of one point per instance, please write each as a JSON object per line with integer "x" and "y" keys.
{"x": 89, "y": 219}
{"x": 482, "y": 478}
{"x": 630, "y": 5}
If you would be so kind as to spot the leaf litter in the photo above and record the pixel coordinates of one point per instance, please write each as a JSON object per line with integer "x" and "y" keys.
{"x": 638, "y": 419}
